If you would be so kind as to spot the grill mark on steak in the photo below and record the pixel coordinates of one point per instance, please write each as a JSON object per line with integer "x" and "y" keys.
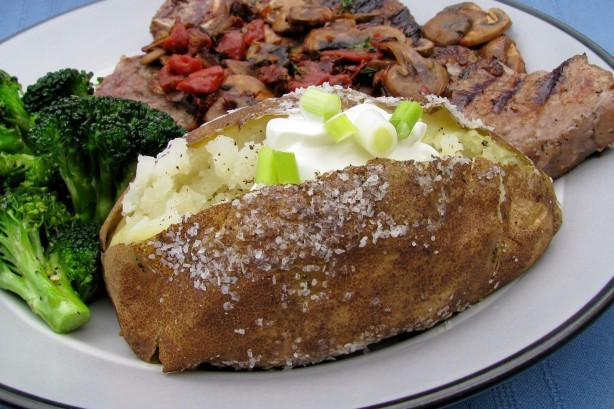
{"x": 404, "y": 21}
{"x": 365, "y": 6}
{"x": 549, "y": 83}
{"x": 500, "y": 102}
{"x": 463, "y": 97}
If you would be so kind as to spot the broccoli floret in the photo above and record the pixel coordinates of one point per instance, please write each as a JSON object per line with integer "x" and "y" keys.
{"x": 25, "y": 171}
{"x": 15, "y": 121}
{"x": 27, "y": 221}
{"x": 75, "y": 252}
{"x": 11, "y": 140}
{"x": 65, "y": 82}
{"x": 96, "y": 142}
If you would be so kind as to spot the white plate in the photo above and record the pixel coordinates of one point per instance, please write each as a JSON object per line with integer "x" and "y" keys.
{"x": 93, "y": 367}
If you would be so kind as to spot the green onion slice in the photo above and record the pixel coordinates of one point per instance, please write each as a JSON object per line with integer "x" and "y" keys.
{"x": 405, "y": 116}
{"x": 339, "y": 127}
{"x": 286, "y": 168}
{"x": 377, "y": 135}
{"x": 276, "y": 167}
{"x": 320, "y": 103}
{"x": 265, "y": 169}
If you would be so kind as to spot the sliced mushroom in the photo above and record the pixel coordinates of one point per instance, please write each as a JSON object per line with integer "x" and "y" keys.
{"x": 504, "y": 49}
{"x": 424, "y": 46}
{"x": 378, "y": 65}
{"x": 247, "y": 84}
{"x": 270, "y": 36}
{"x": 338, "y": 34}
{"x": 263, "y": 54}
{"x": 344, "y": 33}
{"x": 234, "y": 67}
{"x": 153, "y": 55}
{"x": 485, "y": 25}
{"x": 447, "y": 28}
{"x": 277, "y": 17}
{"x": 413, "y": 76}
{"x": 237, "y": 91}
{"x": 466, "y": 24}
{"x": 309, "y": 15}
{"x": 382, "y": 33}
{"x": 224, "y": 102}
{"x": 212, "y": 16}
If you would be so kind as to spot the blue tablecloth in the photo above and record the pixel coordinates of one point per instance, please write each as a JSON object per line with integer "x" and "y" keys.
{"x": 580, "y": 374}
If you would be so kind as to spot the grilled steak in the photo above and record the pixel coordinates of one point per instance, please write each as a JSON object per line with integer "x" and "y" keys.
{"x": 132, "y": 80}
{"x": 556, "y": 118}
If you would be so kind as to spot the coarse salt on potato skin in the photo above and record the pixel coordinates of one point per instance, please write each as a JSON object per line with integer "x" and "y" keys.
{"x": 297, "y": 274}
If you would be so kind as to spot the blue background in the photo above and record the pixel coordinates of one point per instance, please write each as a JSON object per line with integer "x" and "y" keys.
{"x": 580, "y": 373}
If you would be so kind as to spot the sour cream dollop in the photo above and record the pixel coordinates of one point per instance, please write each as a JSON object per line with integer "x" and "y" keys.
{"x": 317, "y": 152}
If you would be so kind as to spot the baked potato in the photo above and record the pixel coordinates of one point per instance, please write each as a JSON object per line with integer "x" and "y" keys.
{"x": 290, "y": 275}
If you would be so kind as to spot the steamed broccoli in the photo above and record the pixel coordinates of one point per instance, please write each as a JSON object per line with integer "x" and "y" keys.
{"x": 96, "y": 141}
{"x": 15, "y": 121}
{"x": 25, "y": 171}
{"x": 65, "y": 82}
{"x": 65, "y": 157}
{"x": 32, "y": 268}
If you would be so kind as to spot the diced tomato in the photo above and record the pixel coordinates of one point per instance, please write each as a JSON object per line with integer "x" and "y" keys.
{"x": 184, "y": 64}
{"x": 312, "y": 74}
{"x": 177, "y": 41}
{"x": 204, "y": 81}
{"x": 232, "y": 45}
{"x": 197, "y": 40}
{"x": 168, "y": 80}
{"x": 254, "y": 31}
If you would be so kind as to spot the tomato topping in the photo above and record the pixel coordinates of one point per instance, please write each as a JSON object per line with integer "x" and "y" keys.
{"x": 168, "y": 80}
{"x": 184, "y": 64}
{"x": 254, "y": 31}
{"x": 232, "y": 45}
{"x": 204, "y": 81}
{"x": 310, "y": 73}
{"x": 177, "y": 41}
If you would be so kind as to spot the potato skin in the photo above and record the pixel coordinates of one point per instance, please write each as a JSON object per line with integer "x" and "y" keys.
{"x": 293, "y": 275}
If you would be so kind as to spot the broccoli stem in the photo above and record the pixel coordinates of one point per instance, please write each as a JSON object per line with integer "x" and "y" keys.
{"x": 13, "y": 282}
{"x": 106, "y": 193}
{"x": 68, "y": 311}
{"x": 82, "y": 193}
{"x": 45, "y": 288}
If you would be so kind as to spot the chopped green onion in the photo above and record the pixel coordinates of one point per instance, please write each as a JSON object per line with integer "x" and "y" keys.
{"x": 320, "y": 103}
{"x": 276, "y": 167}
{"x": 286, "y": 168}
{"x": 405, "y": 116}
{"x": 340, "y": 127}
{"x": 265, "y": 169}
{"x": 377, "y": 135}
